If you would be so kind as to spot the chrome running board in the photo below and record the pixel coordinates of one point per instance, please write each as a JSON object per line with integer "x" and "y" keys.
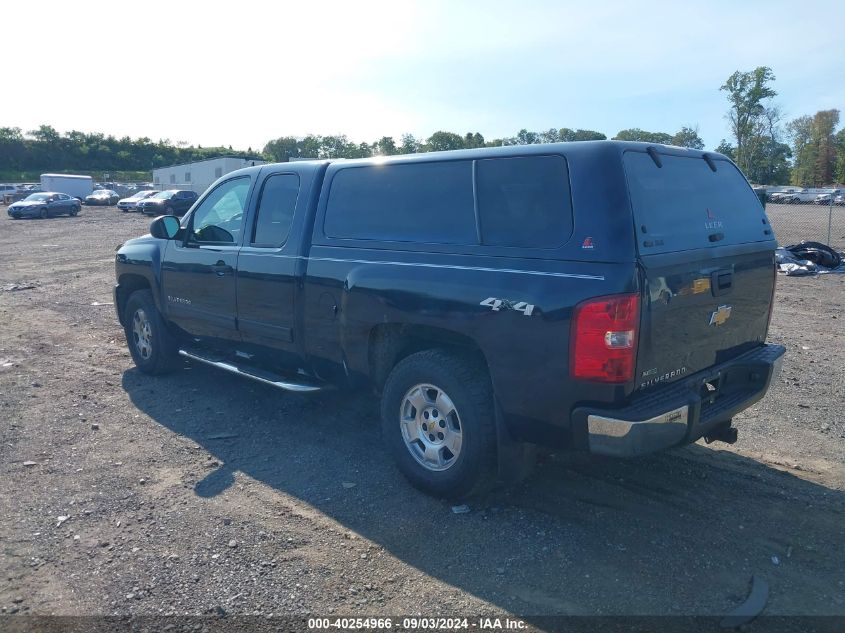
{"x": 268, "y": 378}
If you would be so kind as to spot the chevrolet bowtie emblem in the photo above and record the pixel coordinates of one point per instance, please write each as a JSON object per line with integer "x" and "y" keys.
{"x": 720, "y": 316}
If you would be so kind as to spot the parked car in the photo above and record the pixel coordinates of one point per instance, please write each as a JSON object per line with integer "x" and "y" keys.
{"x": 794, "y": 196}
{"x": 779, "y": 196}
{"x": 826, "y": 198}
{"x": 43, "y": 205}
{"x": 130, "y": 203}
{"x": 9, "y": 193}
{"x": 840, "y": 199}
{"x": 103, "y": 196}
{"x": 169, "y": 202}
{"x": 610, "y": 297}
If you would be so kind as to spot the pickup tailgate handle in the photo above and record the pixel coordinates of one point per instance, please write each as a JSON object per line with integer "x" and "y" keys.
{"x": 721, "y": 282}
{"x": 221, "y": 268}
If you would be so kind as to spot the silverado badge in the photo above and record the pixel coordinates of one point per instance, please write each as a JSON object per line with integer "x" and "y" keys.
{"x": 720, "y": 316}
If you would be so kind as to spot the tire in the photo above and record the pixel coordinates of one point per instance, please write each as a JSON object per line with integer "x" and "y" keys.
{"x": 75, "y": 211}
{"x": 43, "y": 214}
{"x": 449, "y": 453}
{"x": 151, "y": 344}
{"x": 169, "y": 210}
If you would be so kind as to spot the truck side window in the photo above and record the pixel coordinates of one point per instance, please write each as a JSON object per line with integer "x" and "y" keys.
{"x": 418, "y": 202}
{"x": 220, "y": 216}
{"x": 275, "y": 210}
{"x": 524, "y": 201}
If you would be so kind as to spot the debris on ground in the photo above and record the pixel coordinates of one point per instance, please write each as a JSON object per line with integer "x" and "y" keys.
{"x": 61, "y": 519}
{"x": 347, "y": 484}
{"x": 461, "y": 509}
{"x": 809, "y": 258}
{"x": 751, "y": 608}
{"x": 30, "y": 463}
{"x": 22, "y": 285}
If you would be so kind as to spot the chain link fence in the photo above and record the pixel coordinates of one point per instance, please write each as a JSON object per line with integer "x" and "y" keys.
{"x": 800, "y": 215}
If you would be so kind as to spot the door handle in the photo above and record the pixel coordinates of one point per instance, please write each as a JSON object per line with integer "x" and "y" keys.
{"x": 221, "y": 268}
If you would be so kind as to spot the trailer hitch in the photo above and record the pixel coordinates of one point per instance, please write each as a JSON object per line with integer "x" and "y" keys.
{"x": 724, "y": 433}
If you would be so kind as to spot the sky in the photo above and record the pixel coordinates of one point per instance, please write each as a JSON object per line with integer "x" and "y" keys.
{"x": 243, "y": 73}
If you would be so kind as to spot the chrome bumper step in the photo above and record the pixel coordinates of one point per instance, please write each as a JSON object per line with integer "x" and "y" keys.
{"x": 253, "y": 373}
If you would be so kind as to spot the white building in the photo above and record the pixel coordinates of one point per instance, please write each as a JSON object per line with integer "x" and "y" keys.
{"x": 199, "y": 175}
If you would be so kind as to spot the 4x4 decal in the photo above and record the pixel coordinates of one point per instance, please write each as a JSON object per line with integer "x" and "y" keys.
{"x": 503, "y": 304}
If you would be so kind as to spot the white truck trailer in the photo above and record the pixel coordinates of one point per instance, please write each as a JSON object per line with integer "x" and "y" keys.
{"x": 74, "y": 186}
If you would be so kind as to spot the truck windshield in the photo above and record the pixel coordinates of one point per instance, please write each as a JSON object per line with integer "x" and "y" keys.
{"x": 684, "y": 204}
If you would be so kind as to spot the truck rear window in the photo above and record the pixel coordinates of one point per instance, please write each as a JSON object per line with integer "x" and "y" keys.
{"x": 685, "y": 205}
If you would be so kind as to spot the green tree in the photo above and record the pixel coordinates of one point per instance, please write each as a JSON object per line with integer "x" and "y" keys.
{"x": 550, "y": 136}
{"x": 817, "y": 149}
{"x": 724, "y": 147}
{"x": 410, "y": 145}
{"x": 524, "y": 137}
{"x": 282, "y": 149}
{"x": 747, "y": 94}
{"x": 473, "y": 140}
{"x": 839, "y": 140}
{"x": 566, "y": 134}
{"x": 803, "y": 149}
{"x": 385, "y": 146}
{"x": 444, "y": 141}
{"x": 688, "y": 137}
{"x": 824, "y": 126}
{"x": 636, "y": 134}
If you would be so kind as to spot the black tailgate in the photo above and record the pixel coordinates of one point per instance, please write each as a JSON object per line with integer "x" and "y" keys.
{"x": 706, "y": 253}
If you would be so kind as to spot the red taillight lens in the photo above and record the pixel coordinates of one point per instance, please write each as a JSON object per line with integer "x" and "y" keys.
{"x": 603, "y": 346}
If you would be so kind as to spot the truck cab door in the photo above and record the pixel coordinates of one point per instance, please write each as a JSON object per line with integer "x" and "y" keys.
{"x": 198, "y": 272}
{"x": 269, "y": 261}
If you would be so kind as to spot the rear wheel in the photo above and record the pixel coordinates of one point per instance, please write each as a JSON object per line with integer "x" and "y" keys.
{"x": 438, "y": 422}
{"x": 152, "y": 346}
{"x": 168, "y": 210}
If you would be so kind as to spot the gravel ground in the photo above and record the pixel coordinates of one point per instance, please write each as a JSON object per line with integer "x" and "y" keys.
{"x": 200, "y": 493}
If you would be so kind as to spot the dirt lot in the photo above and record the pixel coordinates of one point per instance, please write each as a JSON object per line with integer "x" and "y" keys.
{"x": 200, "y": 493}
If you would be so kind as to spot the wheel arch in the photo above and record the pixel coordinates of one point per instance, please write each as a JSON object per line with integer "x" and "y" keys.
{"x": 127, "y": 284}
{"x": 389, "y": 343}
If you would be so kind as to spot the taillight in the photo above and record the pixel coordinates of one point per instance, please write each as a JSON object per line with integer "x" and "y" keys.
{"x": 603, "y": 346}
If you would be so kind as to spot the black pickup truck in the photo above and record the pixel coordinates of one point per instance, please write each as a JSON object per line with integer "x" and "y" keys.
{"x": 606, "y": 296}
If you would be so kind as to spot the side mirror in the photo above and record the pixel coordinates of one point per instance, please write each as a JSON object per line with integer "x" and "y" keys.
{"x": 165, "y": 227}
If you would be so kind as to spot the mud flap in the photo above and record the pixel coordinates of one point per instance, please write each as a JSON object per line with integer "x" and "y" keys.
{"x": 516, "y": 460}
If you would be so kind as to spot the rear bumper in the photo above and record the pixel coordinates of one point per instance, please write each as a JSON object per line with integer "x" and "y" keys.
{"x": 683, "y": 411}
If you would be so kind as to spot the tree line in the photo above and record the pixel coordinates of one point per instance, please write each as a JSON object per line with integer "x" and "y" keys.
{"x": 314, "y": 146}
{"x": 806, "y": 151}
{"x": 45, "y": 149}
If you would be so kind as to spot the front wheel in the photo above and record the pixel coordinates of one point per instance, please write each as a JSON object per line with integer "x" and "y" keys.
{"x": 438, "y": 422}
{"x": 74, "y": 211}
{"x": 43, "y": 214}
{"x": 152, "y": 346}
